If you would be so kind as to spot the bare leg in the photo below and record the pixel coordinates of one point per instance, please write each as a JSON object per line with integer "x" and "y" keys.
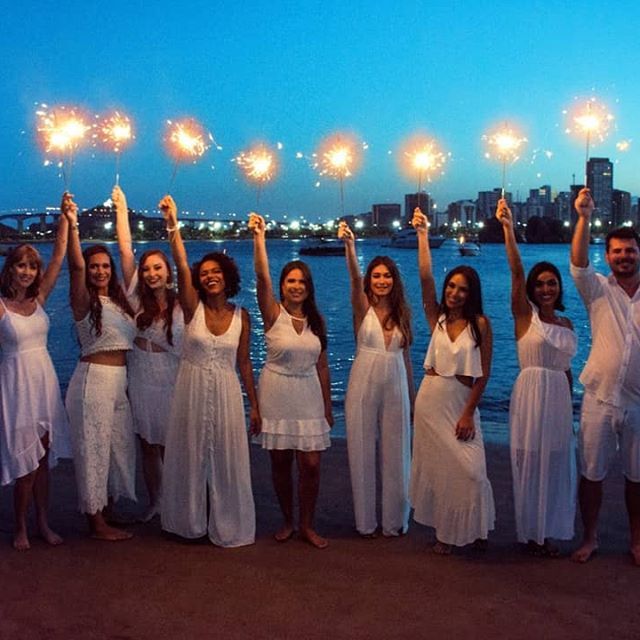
{"x": 308, "y": 486}
{"x": 41, "y": 499}
{"x": 632, "y": 499}
{"x": 103, "y": 531}
{"x": 21, "y": 499}
{"x": 281, "y": 469}
{"x": 152, "y": 455}
{"x": 590, "y": 498}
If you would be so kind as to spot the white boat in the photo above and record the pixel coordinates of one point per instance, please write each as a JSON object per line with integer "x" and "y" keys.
{"x": 322, "y": 247}
{"x": 469, "y": 249}
{"x": 408, "y": 239}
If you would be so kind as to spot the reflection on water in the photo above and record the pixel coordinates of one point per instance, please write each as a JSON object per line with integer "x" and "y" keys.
{"x": 332, "y": 293}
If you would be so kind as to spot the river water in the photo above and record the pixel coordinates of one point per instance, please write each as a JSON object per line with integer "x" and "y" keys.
{"x": 332, "y": 294}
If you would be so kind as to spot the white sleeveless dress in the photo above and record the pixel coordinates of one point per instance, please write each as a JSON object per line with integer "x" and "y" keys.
{"x": 543, "y": 459}
{"x": 30, "y": 401}
{"x": 207, "y": 447}
{"x": 152, "y": 374}
{"x": 289, "y": 391}
{"x": 449, "y": 488}
{"x": 377, "y": 410}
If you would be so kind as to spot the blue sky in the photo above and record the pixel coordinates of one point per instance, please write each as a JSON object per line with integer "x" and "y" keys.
{"x": 293, "y": 72}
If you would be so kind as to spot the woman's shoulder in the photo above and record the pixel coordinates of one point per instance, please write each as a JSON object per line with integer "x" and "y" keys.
{"x": 484, "y": 324}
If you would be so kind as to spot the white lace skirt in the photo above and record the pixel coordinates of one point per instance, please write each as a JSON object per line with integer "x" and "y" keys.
{"x": 449, "y": 488}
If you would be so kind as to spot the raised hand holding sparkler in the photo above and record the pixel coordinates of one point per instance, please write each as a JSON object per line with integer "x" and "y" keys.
{"x": 504, "y": 144}
{"x": 256, "y": 224}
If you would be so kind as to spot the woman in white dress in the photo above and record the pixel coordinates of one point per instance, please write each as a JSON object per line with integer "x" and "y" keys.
{"x": 32, "y": 417}
{"x": 541, "y": 415}
{"x": 449, "y": 488}
{"x": 153, "y": 361}
{"x": 207, "y": 448}
{"x": 294, "y": 387}
{"x": 380, "y": 393}
{"x": 97, "y": 403}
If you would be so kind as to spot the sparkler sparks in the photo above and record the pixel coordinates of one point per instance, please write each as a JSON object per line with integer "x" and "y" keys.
{"x": 115, "y": 131}
{"x": 186, "y": 140}
{"x": 504, "y": 144}
{"x": 422, "y": 156}
{"x": 589, "y": 118}
{"x": 60, "y": 129}
{"x": 258, "y": 164}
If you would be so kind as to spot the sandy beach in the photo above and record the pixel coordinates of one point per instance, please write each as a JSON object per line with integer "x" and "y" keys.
{"x": 156, "y": 586}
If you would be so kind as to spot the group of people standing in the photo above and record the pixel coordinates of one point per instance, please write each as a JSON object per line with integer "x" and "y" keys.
{"x": 164, "y": 364}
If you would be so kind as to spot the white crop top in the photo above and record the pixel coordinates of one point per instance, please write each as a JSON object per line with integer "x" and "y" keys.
{"x": 118, "y": 330}
{"x": 459, "y": 357}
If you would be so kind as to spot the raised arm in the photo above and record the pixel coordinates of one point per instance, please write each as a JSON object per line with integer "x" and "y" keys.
{"x": 520, "y": 307}
{"x": 246, "y": 374}
{"x": 51, "y": 273}
{"x": 580, "y": 242}
{"x": 78, "y": 294}
{"x": 123, "y": 231}
{"x": 187, "y": 293}
{"x": 427, "y": 282}
{"x": 269, "y": 307}
{"x": 465, "y": 427}
{"x": 359, "y": 300}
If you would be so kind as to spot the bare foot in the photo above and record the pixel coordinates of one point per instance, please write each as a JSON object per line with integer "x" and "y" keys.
{"x": 49, "y": 535}
{"x": 21, "y": 541}
{"x": 551, "y": 550}
{"x": 107, "y": 532}
{"x": 284, "y": 534}
{"x": 441, "y": 548}
{"x": 635, "y": 554}
{"x": 585, "y": 552}
{"x": 310, "y": 536}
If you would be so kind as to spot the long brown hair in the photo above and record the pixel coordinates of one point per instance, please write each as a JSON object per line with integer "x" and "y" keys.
{"x": 309, "y": 306}
{"x": 400, "y": 312}
{"x": 150, "y": 308}
{"x": 14, "y": 256}
{"x": 114, "y": 290}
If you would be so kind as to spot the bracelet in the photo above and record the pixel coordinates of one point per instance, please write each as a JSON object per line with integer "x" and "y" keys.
{"x": 75, "y": 227}
{"x": 172, "y": 229}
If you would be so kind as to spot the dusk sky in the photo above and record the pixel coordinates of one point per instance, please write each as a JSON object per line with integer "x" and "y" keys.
{"x": 294, "y": 72}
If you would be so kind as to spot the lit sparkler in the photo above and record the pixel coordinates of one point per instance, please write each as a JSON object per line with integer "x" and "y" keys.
{"x": 186, "y": 141}
{"x": 504, "y": 144}
{"x": 115, "y": 132}
{"x": 591, "y": 119}
{"x": 423, "y": 157}
{"x": 259, "y": 166}
{"x": 338, "y": 157}
{"x": 61, "y": 131}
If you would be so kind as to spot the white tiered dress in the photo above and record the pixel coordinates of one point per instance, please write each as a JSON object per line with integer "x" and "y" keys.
{"x": 207, "y": 447}
{"x": 30, "y": 402}
{"x": 543, "y": 459}
{"x": 377, "y": 409}
{"x": 289, "y": 391}
{"x": 449, "y": 488}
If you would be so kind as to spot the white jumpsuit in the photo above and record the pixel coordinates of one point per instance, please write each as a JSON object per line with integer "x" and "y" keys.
{"x": 377, "y": 408}
{"x": 30, "y": 402}
{"x": 207, "y": 448}
{"x": 543, "y": 459}
{"x": 449, "y": 488}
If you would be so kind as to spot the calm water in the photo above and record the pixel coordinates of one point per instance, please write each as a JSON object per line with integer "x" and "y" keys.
{"x": 332, "y": 292}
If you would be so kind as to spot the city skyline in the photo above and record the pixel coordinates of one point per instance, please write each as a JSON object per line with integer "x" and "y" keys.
{"x": 294, "y": 73}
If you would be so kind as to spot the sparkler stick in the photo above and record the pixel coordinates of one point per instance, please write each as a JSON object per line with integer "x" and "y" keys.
{"x": 504, "y": 143}
{"x": 338, "y": 158}
{"x": 590, "y": 119}
{"x": 423, "y": 156}
{"x": 185, "y": 141}
{"x": 259, "y": 166}
{"x": 61, "y": 131}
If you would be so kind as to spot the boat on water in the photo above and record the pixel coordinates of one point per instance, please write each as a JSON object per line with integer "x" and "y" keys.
{"x": 322, "y": 247}
{"x": 408, "y": 239}
{"x": 468, "y": 247}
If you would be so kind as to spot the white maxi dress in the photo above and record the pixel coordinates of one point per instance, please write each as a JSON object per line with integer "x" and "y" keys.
{"x": 543, "y": 458}
{"x": 377, "y": 411}
{"x": 449, "y": 488}
{"x": 30, "y": 401}
{"x": 207, "y": 447}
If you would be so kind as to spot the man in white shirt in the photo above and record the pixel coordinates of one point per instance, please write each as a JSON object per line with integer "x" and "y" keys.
{"x": 610, "y": 416}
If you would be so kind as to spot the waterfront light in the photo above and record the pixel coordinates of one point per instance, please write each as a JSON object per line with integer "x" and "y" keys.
{"x": 359, "y": 224}
{"x": 396, "y": 224}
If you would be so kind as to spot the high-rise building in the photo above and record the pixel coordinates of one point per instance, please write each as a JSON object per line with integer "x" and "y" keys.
{"x": 487, "y": 203}
{"x": 384, "y": 215}
{"x": 413, "y": 200}
{"x": 621, "y": 208}
{"x": 562, "y": 206}
{"x": 462, "y": 211}
{"x": 600, "y": 182}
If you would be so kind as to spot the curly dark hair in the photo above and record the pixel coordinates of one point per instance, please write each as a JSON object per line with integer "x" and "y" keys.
{"x": 309, "y": 306}
{"x": 534, "y": 274}
{"x": 15, "y": 255}
{"x": 115, "y": 292}
{"x": 472, "y": 307}
{"x": 400, "y": 315}
{"x": 229, "y": 271}
{"x": 150, "y": 308}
